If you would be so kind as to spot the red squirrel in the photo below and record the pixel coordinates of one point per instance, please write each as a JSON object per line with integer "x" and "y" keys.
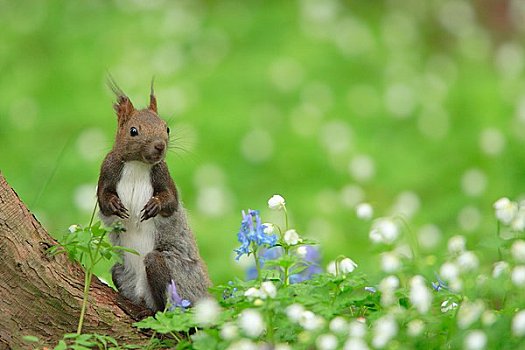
{"x": 135, "y": 187}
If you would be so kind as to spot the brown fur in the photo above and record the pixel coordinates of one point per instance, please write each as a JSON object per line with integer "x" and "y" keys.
{"x": 142, "y": 136}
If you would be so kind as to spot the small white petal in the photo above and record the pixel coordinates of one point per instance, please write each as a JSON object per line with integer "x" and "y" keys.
{"x": 347, "y": 265}
{"x": 518, "y": 324}
{"x": 207, "y": 311}
{"x": 291, "y": 237}
{"x": 364, "y": 211}
{"x": 268, "y": 290}
{"x": 276, "y": 202}
{"x": 251, "y": 322}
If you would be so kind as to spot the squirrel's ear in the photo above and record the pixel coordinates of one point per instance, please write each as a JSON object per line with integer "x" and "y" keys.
{"x": 152, "y": 98}
{"x": 123, "y": 106}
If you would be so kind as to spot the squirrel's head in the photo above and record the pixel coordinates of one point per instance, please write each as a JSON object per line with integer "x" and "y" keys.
{"x": 141, "y": 134}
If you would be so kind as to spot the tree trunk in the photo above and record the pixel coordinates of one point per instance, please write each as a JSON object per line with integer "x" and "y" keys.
{"x": 42, "y": 295}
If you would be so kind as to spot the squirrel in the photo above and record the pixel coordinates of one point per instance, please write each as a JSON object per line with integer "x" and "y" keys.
{"x": 135, "y": 188}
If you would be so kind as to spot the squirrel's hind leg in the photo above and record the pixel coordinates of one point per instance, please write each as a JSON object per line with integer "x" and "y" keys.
{"x": 117, "y": 275}
{"x": 189, "y": 276}
{"x": 159, "y": 276}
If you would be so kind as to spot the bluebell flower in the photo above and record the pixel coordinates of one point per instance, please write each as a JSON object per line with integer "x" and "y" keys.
{"x": 252, "y": 231}
{"x": 371, "y": 289}
{"x": 174, "y": 299}
{"x": 440, "y": 284}
{"x": 312, "y": 259}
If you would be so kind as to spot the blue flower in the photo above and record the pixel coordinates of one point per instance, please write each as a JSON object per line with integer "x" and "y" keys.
{"x": 252, "y": 231}
{"x": 440, "y": 284}
{"x": 312, "y": 259}
{"x": 174, "y": 299}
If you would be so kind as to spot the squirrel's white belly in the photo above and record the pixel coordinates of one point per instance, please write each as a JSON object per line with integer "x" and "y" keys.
{"x": 135, "y": 190}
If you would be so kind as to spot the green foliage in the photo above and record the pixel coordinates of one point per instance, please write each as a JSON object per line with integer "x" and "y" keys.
{"x": 74, "y": 341}
{"x": 89, "y": 246}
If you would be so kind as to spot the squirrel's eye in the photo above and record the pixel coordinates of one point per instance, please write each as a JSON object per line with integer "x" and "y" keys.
{"x": 133, "y": 131}
{"x": 168, "y": 130}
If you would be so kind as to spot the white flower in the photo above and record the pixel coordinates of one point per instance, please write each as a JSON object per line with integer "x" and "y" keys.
{"x": 449, "y": 271}
{"x": 302, "y": 251}
{"x": 415, "y": 328}
{"x": 326, "y": 342}
{"x": 518, "y": 324}
{"x": 282, "y": 347}
{"x": 475, "y": 340}
{"x": 518, "y": 276}
{"x": 310, "y": 321}
{"x": 505, "y": 210}
{"x": 269, "y": 229}
{"x": 251, "y": 322}
{"x": 389, "y": 283}
{"x": 384, "y": 230}
{"x": 355, "y": 344}
{"x": 456, "y": 285}
{"x": 390, "y": 262}
{"x": 500, "y": 267}
{"x": 388, "y": 286}
{"x": 385, "y": 329}
{"x": 206, "y": 311}
{"x": 364, "y": 211}
{"x": 518, "y": 223}
{"x": 467, "y": 261}
{"x": 447, "y": 305}
{"x": 357, "y": 329}
{"x": 294, "y": 312}
{"x": 456, "y": 244}
{"x": 276, "y": 202}
{"x": 344, "y": 266}
{"x": 330, "y": 268}
{"x": 347, "y": 265}
{"x": 488, "y": 318}
{"x": 243, "y": 344}
{"x": 420, "y": 295}
{"x": 291, "y": 237}
{"x": 469, "y": 312}
{"x": 268, "y": 290}
{"x": 518, "y": 250}
{"x": 73, "y": 228}
{"x": 229, "y": 331}
{"x": 253, "y": 293}
{"x": 338, "y": 325}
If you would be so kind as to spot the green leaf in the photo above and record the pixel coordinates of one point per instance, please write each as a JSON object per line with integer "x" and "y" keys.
{"x": 124, "y": 249}
{"x": 61, "y": 345}
{"x": 31, "y": 338}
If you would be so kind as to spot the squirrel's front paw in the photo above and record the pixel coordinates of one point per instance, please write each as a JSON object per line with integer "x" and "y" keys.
{"x": 117, "y": 208}
{"x": 151, "y": 209}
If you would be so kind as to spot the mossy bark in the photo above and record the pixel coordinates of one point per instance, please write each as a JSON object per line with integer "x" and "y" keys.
{"x": 41, "y": 295}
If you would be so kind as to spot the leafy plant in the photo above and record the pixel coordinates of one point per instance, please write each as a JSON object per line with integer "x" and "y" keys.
{"x": 88, "y": 246}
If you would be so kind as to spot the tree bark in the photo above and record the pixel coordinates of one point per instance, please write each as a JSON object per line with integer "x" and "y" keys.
{"x": 41, "y": 295}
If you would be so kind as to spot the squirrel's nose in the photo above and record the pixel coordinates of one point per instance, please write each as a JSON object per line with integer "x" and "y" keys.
{"x": 160, "y": 146}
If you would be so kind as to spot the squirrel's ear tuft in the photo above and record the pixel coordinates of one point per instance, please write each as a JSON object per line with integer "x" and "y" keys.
{"x": 123, "y": 106}
{"x": 152, "y": 98}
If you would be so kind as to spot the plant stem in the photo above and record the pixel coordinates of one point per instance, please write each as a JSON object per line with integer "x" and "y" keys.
{"x": 257, "y": 262}
{"x": 286, "y": 268}
{"x": 93, "y": 214}
{"x": 87, "y": 283}
{"x": 269, "y": 326}
{"x": 286, "y": 219}
{"x": 88, "y": 274}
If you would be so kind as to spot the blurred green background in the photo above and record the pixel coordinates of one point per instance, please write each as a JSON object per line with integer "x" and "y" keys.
{"x": 417, "y": 107}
